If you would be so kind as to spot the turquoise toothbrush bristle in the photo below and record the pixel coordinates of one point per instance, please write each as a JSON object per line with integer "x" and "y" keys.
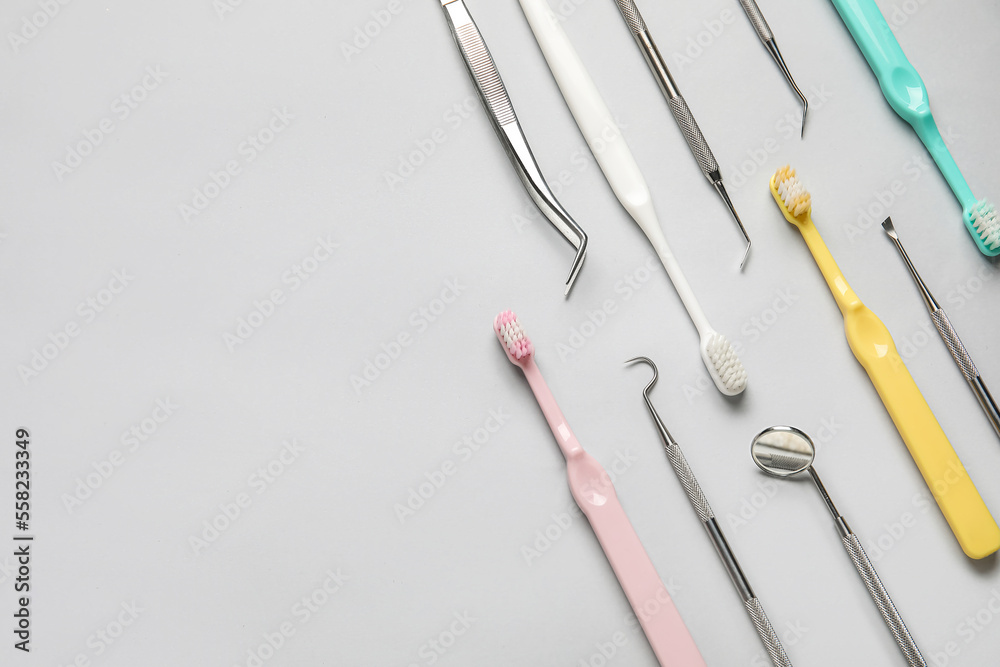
{"x": 984, "y": 224}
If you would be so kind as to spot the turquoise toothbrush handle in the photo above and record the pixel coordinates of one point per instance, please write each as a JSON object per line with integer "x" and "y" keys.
{"x": 901, "y": 85}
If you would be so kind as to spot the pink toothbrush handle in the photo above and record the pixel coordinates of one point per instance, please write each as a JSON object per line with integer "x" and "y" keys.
{"x": 595, "y": 494}
{"x": 659, "y": 618}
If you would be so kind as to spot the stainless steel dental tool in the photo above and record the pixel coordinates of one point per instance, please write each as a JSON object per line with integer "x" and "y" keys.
{"x": 682, "y": 114}
{"x": 784, "y": 451}
{"x": 767, "y": 37}
{"x": 949, "y": 335}
{"x": 704, "y": 512}
{"x": 497, "y": 104}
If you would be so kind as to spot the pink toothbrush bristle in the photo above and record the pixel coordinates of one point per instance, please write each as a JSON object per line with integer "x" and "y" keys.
{"x": 511, "y": 333}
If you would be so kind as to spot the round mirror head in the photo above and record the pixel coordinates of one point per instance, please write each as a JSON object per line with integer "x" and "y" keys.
{"x": 782, "y": 451}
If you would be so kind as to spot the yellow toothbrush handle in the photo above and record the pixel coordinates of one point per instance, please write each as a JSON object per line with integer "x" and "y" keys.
{"x": 842, "y": 292}
{"x": 940, "y": 466}
{"x": 956, "y": 495}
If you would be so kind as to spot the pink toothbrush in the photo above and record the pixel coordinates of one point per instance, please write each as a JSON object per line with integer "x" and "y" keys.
{"x": 595, "y": 494}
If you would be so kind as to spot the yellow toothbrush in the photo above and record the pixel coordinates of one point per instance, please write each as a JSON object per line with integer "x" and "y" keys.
{"x": 871, "y": 343}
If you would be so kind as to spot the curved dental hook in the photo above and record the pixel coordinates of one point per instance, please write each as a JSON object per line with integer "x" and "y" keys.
{"x": 656, "y": 374}
{"x": 668, "y": 440}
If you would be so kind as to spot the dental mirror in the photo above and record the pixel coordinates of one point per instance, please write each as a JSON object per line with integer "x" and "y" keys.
{"x": 783, "y": 451}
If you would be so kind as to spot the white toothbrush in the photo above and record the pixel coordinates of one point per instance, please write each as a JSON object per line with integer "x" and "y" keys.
{"x": 620, "y": 169}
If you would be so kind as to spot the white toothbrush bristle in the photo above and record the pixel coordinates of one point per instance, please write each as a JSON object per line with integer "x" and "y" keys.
{"x": 730, "y": 375}
{"x": 793, "y": 194}
{"x": 511, "y": 334}
{"x": 986, "y": 222}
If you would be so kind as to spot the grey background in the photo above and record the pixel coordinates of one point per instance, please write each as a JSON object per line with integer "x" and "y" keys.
{"x": 333, "y": 508}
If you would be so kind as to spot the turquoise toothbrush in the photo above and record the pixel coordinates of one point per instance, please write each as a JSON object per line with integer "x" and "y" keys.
{"x": 907, "y": 94}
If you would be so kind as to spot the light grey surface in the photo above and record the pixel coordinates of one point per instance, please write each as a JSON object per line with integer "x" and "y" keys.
{"x": 460, "y": 217}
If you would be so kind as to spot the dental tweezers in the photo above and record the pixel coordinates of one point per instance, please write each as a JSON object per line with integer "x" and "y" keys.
{"x": 501, "y": 112}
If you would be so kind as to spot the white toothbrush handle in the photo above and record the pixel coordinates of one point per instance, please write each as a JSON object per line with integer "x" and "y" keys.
{"x": 607, "y": 143}
{"x": 584, "y": 100}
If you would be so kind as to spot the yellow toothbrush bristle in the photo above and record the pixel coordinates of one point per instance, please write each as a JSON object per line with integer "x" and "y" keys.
{"x": 793, "y": 194}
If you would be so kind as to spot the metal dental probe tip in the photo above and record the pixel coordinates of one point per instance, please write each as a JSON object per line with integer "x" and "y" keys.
{"x": 767, "y": 37}
{"x": 498, "y": 106}
{"x": 679, "y": 108}
{"x": 721, "y": 189}
{"x": 704, "y": 511}
{"x": 949, "y": 335}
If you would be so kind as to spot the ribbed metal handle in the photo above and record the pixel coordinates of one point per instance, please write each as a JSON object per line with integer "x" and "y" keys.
{"x": 954, "y": 344}
{"x": 632, "y": 16}
{"x": 689, "y": 482}
{"x": 968, "y": 368}
{"x": 704, "y": 511}
{"x": 882, "y": 601}
{"x": 757, "y": 19}
{"x": 692, "y": 133}
{"x": 767, "y": 633}
{"x": 481, "y": 65}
